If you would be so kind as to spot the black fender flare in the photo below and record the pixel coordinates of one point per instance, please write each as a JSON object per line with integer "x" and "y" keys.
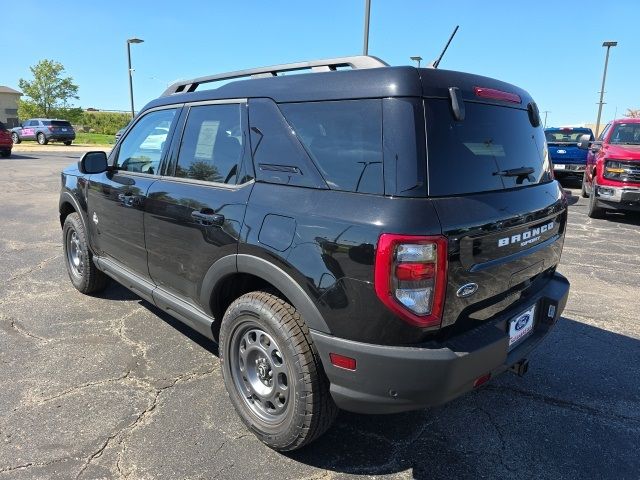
{"x": 276, "y": 276}
{"x": 67, "y": 197}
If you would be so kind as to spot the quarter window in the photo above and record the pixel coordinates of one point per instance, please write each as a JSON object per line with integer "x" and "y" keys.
{"x": 344, "y": 139}
{"x": 212, "y": 144}
{"x": 145, "y": 144}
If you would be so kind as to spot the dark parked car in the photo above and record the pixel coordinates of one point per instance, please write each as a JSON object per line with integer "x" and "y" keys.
{"x": 377, "y": 239}
{"x": 6, "y": 142}
{"x": 44, "y": 130}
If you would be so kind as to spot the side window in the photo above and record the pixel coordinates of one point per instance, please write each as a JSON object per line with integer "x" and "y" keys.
{"x": 277, "y": 153}
{"x": 344, "y": 139}
{"x": 211, "y": 147}
{"x": 144, "y": 145}
{"x": 604, "y": 132}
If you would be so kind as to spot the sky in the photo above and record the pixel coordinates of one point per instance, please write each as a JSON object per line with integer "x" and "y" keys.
{"x": 550, "y": 48}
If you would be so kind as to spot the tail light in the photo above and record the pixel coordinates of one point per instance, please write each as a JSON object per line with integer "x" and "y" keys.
{"x": 411, "y": 277}
{"x": 494, "y": 94}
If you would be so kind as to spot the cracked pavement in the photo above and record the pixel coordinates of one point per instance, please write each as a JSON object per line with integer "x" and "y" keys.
{"x": 111, "y": 387}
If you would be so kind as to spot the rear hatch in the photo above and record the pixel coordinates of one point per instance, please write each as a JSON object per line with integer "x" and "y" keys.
{"x": 490, "y": 182}
{"x": 563, "y": 145}
{"x": 5, "y": 135}
{"x": 59, "y": 127}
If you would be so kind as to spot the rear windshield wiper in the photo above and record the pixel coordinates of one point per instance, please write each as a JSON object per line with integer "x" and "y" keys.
{"x": 516, "y": 172}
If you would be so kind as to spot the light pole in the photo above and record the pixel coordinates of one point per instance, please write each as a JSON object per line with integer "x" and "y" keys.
{"x": 546, "y": 112}
{"x": 604, "y": 77}
{"x": 129, "y": 42}
{"x": 367, "y": 14}
{"x": 416, "y": 59}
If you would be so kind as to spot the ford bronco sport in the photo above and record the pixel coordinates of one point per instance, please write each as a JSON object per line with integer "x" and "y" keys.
{"x": 372, "y": 238}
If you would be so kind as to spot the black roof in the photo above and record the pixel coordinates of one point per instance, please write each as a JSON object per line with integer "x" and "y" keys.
{"x": 351, "y": 84}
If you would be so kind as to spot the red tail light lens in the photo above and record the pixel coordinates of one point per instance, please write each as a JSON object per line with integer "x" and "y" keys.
{"x": 494, "y": 94}
{"x": 411, "y": 277}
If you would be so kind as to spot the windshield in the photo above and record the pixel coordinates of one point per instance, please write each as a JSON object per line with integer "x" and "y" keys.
{"x": 493, "y": 148}
{"x": 566, "y": 135}
{"x": 625, "y": 134}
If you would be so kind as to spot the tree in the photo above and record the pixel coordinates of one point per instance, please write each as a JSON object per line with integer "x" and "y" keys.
{"x": 632, "y": 113}
{"x": 48, "y": 93}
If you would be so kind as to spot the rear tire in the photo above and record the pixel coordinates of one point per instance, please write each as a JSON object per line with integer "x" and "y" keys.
{"x": 67, "y": 142}
{"x": 594, "y": 210}
{"x": 15, "y": 138}
{"x": 272, "y": 372}
{"x": 5, "y": 153}
{"x": 583, "y": 191}
{"x": 42, "y": 138}
{"x": 83, "y": 273}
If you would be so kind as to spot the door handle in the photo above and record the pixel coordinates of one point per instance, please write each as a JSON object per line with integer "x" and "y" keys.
{"x": 208, "y": 219}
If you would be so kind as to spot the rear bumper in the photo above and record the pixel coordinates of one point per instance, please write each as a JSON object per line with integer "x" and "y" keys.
{"x": 569, "y": 169}
{"x": 394, "y": 379}
{"x": 61, "y": 136}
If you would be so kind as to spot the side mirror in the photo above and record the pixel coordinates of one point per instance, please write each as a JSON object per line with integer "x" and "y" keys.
{"x": 584, "y": 141}
{"x": 93, "y": 162}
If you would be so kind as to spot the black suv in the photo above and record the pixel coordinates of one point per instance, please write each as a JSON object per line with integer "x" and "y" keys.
{"x": 372, "y": 238}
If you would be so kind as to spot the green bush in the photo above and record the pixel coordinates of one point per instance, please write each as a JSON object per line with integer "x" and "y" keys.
{"x": 107, "y": 123}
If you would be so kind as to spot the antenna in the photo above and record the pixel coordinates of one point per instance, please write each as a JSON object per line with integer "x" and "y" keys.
{"x": 435, "y": 63}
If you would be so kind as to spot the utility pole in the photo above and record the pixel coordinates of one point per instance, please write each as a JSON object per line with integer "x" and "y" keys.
{"x": 604, "y": 77}
{"x": 545, "y": 117}
{"x": 416, "y": 59}
{"x": 367, "y": 15}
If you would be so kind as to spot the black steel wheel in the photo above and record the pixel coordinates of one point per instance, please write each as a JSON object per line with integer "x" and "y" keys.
{"x": 83, "y": 273}
{"x": 273, "y": 373}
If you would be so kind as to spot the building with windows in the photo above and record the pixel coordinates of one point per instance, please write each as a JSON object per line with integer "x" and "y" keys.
{"x": 9, "y": 106}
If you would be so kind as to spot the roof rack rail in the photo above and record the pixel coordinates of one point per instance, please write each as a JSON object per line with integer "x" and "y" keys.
{"x": 355, "y": 62}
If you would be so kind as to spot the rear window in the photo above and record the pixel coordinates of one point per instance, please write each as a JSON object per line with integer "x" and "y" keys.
{"x": 344, "y": 139}
{"x": 56, "y": 123}
{"x": 480, "y": 153}
{"x": 566, "y": 135}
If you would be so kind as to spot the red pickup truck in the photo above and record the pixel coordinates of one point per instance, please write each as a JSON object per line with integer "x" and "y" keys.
{"x": 612, "y": 177}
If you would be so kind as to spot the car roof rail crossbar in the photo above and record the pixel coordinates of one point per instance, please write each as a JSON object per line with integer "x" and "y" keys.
{"x": 326, "y": 65}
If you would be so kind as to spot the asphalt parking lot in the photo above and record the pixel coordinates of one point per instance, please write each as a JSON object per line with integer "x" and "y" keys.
{"x": 111, "y": 387}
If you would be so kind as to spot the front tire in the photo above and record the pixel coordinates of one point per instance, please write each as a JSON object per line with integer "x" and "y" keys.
{"x": 15, "y": 138}
{"x": 42, "y": 138}
{"x": 594, "y": 210}
{"x": 67, "y": 142}
{"x": 272, "y": 372}
{"x": 83, "y": 273}
{"x": 583, "y": 191}
{"x": 5, "y": 153}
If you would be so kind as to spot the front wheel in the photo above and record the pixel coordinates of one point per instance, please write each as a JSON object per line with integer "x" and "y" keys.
{"x": 42, "y": 139}
{"x": 67, "y": 142}
{"x": 583, "y": 191}
{"x": 594, "y": 210}
{"x": 83, "y": 273}
{"x": 272, "y": 372}
{"x": 15, "y": 138}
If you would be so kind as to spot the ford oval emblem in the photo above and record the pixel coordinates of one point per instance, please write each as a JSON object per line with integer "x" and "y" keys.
{"x": 561, "y": 151}
{"x": 467, "y": 290}
{"x": 522, "y": 321}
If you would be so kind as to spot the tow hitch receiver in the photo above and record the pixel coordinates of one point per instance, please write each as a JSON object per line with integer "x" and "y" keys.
{"x": 521, "y": 367}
